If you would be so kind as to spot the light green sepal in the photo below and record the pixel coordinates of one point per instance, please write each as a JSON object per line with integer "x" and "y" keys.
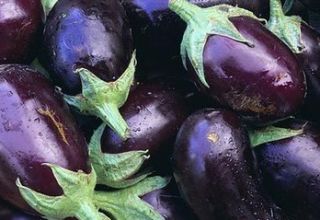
{"x": 203, "y": 22}
{"x": 125, "y": 204}
{"x": 103, "y": 99}
{"x": 47, "y": 6}
{"x": 271, "y": 133}
{"x": 76, "y": 200}
{"x": 287, "y": 28}
{"x": 116, "y": 170}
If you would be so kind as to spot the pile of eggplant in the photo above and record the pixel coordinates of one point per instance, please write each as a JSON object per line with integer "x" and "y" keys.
{"x": 159, "y": 110}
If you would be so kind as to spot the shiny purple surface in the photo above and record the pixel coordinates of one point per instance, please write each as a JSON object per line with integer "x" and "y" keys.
{"x": 262, "y": 83}
{"x": 35, "y": 128}
{"x": 20, "y": 25}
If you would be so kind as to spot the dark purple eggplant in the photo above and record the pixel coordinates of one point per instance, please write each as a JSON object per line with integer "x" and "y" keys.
{"x": 154, "y": 112}
{"x": 169, "y": 204}
{"x": 36, "y": 129}
{"x": 9, "y": 213}
{"x": 20, "y": 25}
{"x": 240, "y": 63}
{"x": 214, "y": 170}
{"x": 312, "y": 5}
{"x": 303, "y": 40}
{"x": 291, "y": 171}
{"x": 91, "y": 34}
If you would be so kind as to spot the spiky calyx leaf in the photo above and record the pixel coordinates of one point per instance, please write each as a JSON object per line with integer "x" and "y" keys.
{"x": 202, "y": 23}
{"x": 115, "y": 170}
{"x": 287, "y": 28}
{"x": 47, "y": 6}
{"x": 103, "y": 99}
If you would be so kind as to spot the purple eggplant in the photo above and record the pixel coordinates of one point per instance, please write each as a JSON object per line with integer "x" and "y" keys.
{"x": 154, "y": 112}
{"x": 291, "y": 172}
{"x": 9, "y": 213}
{"x": 169, "y": 204}
{"x": 214, "y": 170}
{"x": 91, "y": 34}
{"x": 303, "y": 40}
{"x": 240, "y": 63}
{"x": 20, "y": 24}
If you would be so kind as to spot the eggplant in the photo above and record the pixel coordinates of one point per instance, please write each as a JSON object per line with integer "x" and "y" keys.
{"x": 36, "y": 129}
{"x": 154, "y": 112}
{"x": 20, "y": 24}
{"x": 312, "y": 5}
{"x": 290, "y": 170}
{"x": 10, "y": 213}
{"x": 69, "y": 42}
{"x": 240, "y": 63}
{"x": 303, "y": 40}
{"x": 214, "y": 169}
{"x": 157, "y": 31}
{"x": 169, "y": 204}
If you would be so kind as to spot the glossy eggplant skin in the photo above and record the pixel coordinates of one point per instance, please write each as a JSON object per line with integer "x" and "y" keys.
{"x": 158, "y": 32}
{"x": 310, "y": 60}
{"x": 36, "y": 128}
{"x": 263, "y": 83}
{"x": 91, "y": 34}
{"x": 169, "y": 204}
{"x": 154, "y": 112}
{"x": 214, "y": 169}
{"x": 20, "y": 25}
{"x": 291, "y": 171}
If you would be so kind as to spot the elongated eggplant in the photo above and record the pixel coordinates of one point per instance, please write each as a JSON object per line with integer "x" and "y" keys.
{"x": 154, "y": 112}
{"x": 291, "y": 171}
{"x": 36, "y": 129}
{"x": 20, "y": 24}
{"x": 169, "y": 204}
{"x": 90, "y": 34}
{"x": 213, "y": 167}
{"x": 240, "y": 63}
{"x": 303, "y": 40}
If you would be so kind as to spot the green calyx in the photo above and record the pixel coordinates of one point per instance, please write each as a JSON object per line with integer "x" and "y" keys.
{"x": 126, "y": 204}
{"x": 115, "y": 170}
{"x": 268, "y": 134}
{"x": 203, "y": 22}
{"x": 103, "y": 99}
{"x": 76, "y": 201}
{"x": 47, "y": 6}
{"x": 287, "y": 28}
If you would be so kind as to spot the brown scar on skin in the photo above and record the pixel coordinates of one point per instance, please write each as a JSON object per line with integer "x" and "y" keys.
{"x": 213, "y": 137}
{"x": 59, "y": 126}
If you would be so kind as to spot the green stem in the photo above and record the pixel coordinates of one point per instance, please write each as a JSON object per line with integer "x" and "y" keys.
{"x": 276, "y": 11}
{"x": 186, "y": 10}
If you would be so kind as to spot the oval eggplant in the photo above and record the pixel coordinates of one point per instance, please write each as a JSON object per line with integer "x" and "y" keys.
{"x": 36, "y": 128}
{"x": 169, "y": 204}
{"x": 291, "y": 172}
{"x": 20, "y": 25}
{"x": 91, "y": 34}
{"x": 154, "y": 112}
{"x": 213, "y": 167}
{"x": 242, "y": 65}
{"x": 157, "y": 31}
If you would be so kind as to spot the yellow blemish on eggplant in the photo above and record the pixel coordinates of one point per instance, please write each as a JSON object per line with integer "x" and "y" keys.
{"x": 213, "y": 137}
{"x": 59, "y": 126}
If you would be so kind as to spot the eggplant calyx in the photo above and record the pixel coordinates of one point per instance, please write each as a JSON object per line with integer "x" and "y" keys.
{"x": 271, "y": 133}
{"x": 125, "y": 204}
{"x": 76, "y": 200}
{"x": 115, "y": 170}
{"x": 202, "y": 23}
{"x": 47, "y": 6}
{"x": 287, "y": 28}
{"x": 103, "y": 99}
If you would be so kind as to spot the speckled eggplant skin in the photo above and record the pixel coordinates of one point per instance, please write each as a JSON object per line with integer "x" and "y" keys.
{"x": 91, "y": 34}
{"x": 154, "y": 112}
{"x": 20, "y": 25}
{"x": 36, "y": 128}
{"x": 263, "y": 83}
{"x": 169, "y": 204}
{"x": 310, "y": 60}
{"x": 158, "y": 32}
{"x": 291, "y": 171}
{"x": 213, "y": 167}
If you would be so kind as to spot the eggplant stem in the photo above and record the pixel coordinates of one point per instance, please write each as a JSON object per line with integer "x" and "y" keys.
{"x": 184, "y": 9}
{"x": 276, "y": 11}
